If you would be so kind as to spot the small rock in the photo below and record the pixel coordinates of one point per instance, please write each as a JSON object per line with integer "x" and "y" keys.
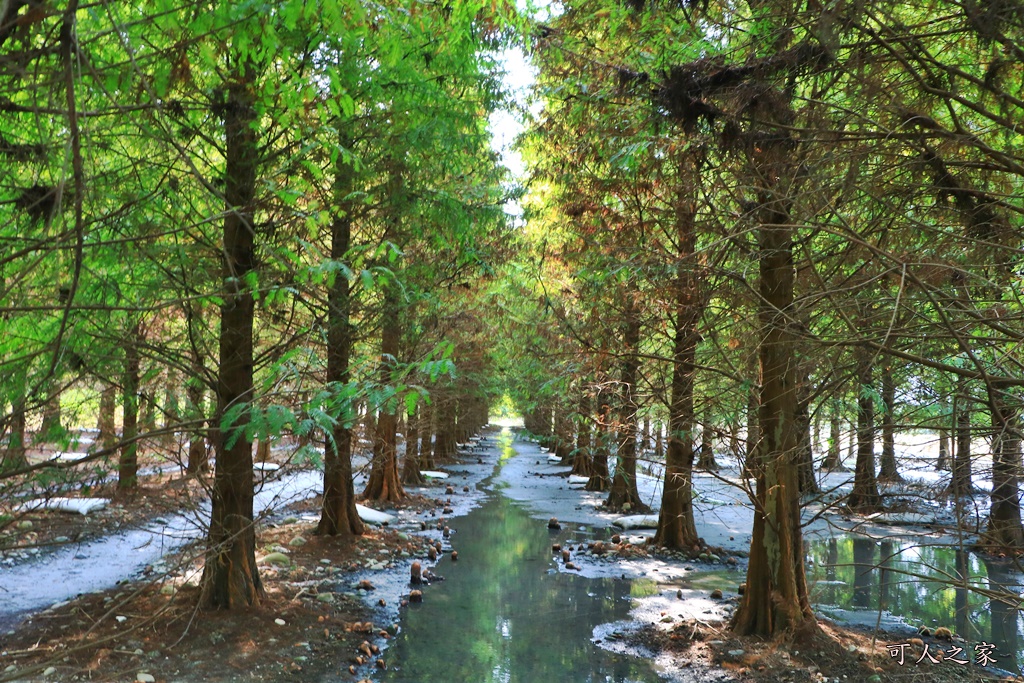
{"x": 61, "y": 539}
{"x": 737, "y": 653}
{"x": 465, "y": 489}
{"x": 455, "y": 556}
{"x": 144, "y": 678}
{"x": 679, "y": 594}
{"x": 742, "y": 588}
{"x": 365, "y": 585}
{"x": 50, "y": 671}
{"x": 280, "y": 622}
{"x": 297, "y": 541}
{"x": 277, "y": 559}
{"x": 431, "y": 553}
{"x": 449, "y": 491}
{"x": 716, "y": 594}
{"x": 416, "y": 596}
{"x": 168, "y": 589}
{"x": 667, "y": 619}
{"x": 447, "y": 532}
{"x": 325, "y": 597}
{"x": 120, "y": 619}
{"x": 553, "y": 523}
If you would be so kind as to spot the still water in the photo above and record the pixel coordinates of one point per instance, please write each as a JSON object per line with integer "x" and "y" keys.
{"x": 502, "y": 615}
{"x": 927, "y": 585}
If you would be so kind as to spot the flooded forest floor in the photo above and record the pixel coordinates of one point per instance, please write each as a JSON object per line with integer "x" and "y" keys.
{"x": 507, "y": 598}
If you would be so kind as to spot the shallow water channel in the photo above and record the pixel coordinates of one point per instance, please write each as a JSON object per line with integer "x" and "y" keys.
{"x": 504, "y": 613}
{"x": 854, "y": 579}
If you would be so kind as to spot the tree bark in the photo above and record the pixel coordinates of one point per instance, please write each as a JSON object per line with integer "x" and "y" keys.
{"x": 14, "y": 455}
{"x": 411, "y": 466}
{"x": 942, "y": 463}
{"x": 751, "y": 461}
{"x": 624, "y": 490}
{"x": 599, "y": 479}
{"x": 832, "y": 458}
{"x": 384, "y": 483}
{"x": 426, "y": 436}
{"x": 865, "y": 497}
{"x": 581, "y": 463}
{"x": 108, "y": 408}
{"x": 961, "y": 484}
{"x": 776, "y": 599}
{"x": 230, "y": 577}
{"x": 128, "y": 462}
{"x": 889, "y": 470}
{"x": 198, "y": 453}
{"x": 805, "y": 455}
{"x": 676, "y": 526}
{"x": 1004, "y": 532}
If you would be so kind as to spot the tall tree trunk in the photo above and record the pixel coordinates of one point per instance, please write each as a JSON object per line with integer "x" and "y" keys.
{"x": 198, "y": 453}
{"x": 427, "y": 436}
{"x": 128, "y": 462}
{"x": 384, "y": 483}
{"x": 411, "y": 466}
{"x": 961, "y": 484}
{"x": 563, "y": 435}
{"x": 865, "y": 497}
{"x": 676, "y": 526}
{"x": 14, "y": 455}
{"x": 108, "y": 408}
{"x": 338, "y": 515}
{"x": 706, "y": 460}
{"x": 171, "y": 417}
{"x": 624, "y": 490}
{"x": 942, "y": 463}
{"x": 581, "y": 462}
{"x": 230, "y": 577}
{"x": 776, "y": 599}
{"x": 888, "y": 470}
{"x": 1004, "y": 532}
{"x": 805, "y": 455}
{"x": 659, "y": 445}
{"x": 645, "y": 435}
{"x": 599, "y": 479}
{"x": 751, "y": 461}
{"x": 832, "y": 459}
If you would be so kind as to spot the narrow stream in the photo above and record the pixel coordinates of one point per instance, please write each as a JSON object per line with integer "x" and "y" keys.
{"x": 505, "y": 614}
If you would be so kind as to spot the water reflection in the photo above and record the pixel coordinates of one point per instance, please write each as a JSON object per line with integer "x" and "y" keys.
{"x": 862, "y": 574}
{"x": 500, "y": 616}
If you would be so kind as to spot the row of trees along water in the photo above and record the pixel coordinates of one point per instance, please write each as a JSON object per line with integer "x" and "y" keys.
{"x": 293, "y": 208}
{"x": 752, "y": 217}
{"x": 759, "y": 222}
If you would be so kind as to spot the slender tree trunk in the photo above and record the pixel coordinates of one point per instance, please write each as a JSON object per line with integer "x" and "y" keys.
{"x": 411, "y": 466}
{"x": 805, "y": 455}
{"x": 832, "y": 458}
{"x": 889, "y": 470}
{"x": 706, "y": 460}
{"x": 599, "y": 478}
{"x": 171, "y": 417}
{"x": 1004, "y": 532}
{"x": 581, "y": 464}
{"x": 230, "y": 577}
{"x": 776, "y": 599}
{"x": 961, "y": 484}
{"x": 338, "y": 515}
{"x": 659, "y": 445}
{"x": 645, "y": 435}
{"x": 624, "y": 490}
{"x": 106, "y": 423}
{"x": 942, "y": 464}
{"x": 14, "y": 455}
{"x": 751, "y": 461}
{"x": 865, "y": 497}
{"x": 128, "y": 463}
{"x": 676, "y": 526}
{"x": 426, "y": 437}
{"x": 384, "y": 483}
{"x": 198, "y": 453}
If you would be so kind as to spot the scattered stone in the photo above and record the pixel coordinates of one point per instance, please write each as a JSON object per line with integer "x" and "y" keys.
{"x": 297, "y": 541}
{"x": 616, "y": 539}
{"x": 943, "y": 633}
{"x": 742, "y": 588}
{"x": 556, "y": 547}
{"x": 716, "y": 594}
{"x": 455, "y": 556}
{"x": 924, "y": 631}
{"x": 325, "y": 597}
{"x": 277, "y": 559}
{"x": 144, "y": 678}
{"x": 737, "y": 653}
{"x": 52, "y": 670}
{"x": 566, "y": 556}
{"x": 447, "y": 532}
{"x": 168, "y": 589}
{"x": 465, "y": 489}
{"x": 120, "y": 619}
{"x": 280, "y": 622}
{"x": 731, "y": 560}
{"x": 572, "y": 566}
{"x": 449, "y": 491}
{"x": 438, "y": 546}
{"x": 416, "y": 596}
{"x": 679, "y": 594}
{"x": 431, "y": 553}
{"x": 416, "y": 574}
{"x": 382, "y": 603}
{"x": 365, "y": 585}
{"x": 364, "y": 647}
{"x": 381, "y": 665}
{"x": 553, "y": 523}
{"x": 25, "y": 525}
{"x": 667, "y": 619}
